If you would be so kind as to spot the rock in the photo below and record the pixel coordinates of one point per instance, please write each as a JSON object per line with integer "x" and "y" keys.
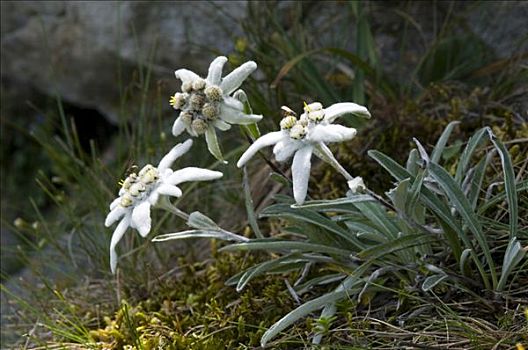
{"x": 76, "y": 49}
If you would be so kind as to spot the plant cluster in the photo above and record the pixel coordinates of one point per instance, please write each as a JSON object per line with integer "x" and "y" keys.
{"x": 432, "y": 235}
{"x": 431, "y": 231}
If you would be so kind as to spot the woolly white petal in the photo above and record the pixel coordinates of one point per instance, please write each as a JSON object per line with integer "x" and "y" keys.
{"x": 115, "y": 214}
{"x": 186, "y": 75}
{"x": 193, "y": 174}
{"x": 234, "y": 79}
{"x": 301, "y": 173}
{"x": 263, "y": 141}
{"x": 114, "y": 203}
{"x": 233, "y": 103}
{"x": 285, "y": 148}
{"x": 176, "y": 152}
{"x": 338, "y": 109}
{"x": 178, "y": 126}
{"x": 214, "y": 76}
{"x": 169, "y": 190}
{"x": 116, "y": 237}
{"x": 221, "y": 125}
{"x": 153, "y": 198}
{"x": 330, "y": 133}
{"x": 236, "y": 117}
{"x": 141, "y": 218}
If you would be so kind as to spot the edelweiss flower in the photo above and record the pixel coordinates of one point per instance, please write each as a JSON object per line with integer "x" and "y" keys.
{"x": 142, "y": 190}
{"x": 206, "y": 104}
{"x": 304, "y": 136}
{"x": 357, "y": 185}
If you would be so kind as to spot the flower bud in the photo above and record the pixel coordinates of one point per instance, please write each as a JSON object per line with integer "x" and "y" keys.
{"x": 150, "y": 176}
{"x": 197, "y": 101}
{"x": 315, "y": 106}
{"x": 288, "y": 122}
{"x": 213, "y": 93}
{"x": 132, "y": 178}
{"x": 126, "y": 200}
{"x": 210, "y": 111}
{"x": 316, "y": 116}
{"x": 136, "y": 189}
{"x": 145, "y": 169}
{"x": 297, "y": 132}
{"x": 303, "y": 120}
{"x": 186, "y": 86}
{"x": 198, "y": 84}
{"x": 187, "y": 117}
{"x": 199, "y": 126}
{"x": 177, "y": 101}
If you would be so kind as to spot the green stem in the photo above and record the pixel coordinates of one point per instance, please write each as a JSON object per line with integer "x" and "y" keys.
{"x": 165, "y": 204}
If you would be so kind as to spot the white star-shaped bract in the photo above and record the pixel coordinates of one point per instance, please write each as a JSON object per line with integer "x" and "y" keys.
{"x": 142, "y": 190}
{"x": 206, "y": 104}
{"x": 306, "y": 135}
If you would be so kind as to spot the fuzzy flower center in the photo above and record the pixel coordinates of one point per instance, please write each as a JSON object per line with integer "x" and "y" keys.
{"x": 199, "y": 104}
{"x": 298, "y": 127}
{"x": 137, "y": 187}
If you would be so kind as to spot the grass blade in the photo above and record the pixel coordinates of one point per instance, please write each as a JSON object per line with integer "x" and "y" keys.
{"x": 252, "y": 218}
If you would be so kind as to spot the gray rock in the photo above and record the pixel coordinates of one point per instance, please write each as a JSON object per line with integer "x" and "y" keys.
{"x": 76, "y": 49}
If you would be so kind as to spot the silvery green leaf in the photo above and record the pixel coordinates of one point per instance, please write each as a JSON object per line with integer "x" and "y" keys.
{"x": 462, "y": 205}
{"x": 200, "y": 221}
{"x": 422, "y": 151}
{"x": 442, "y": 141}
{"x": 431, "y": 281}
{"x": 193, "y": 234}
{"x": 512, "y": 257}
{"x": 349, "y": 286}
{"x": 412, "y": 162}
{"x": 212, "y": 144}
{"x": 509, "y": 182}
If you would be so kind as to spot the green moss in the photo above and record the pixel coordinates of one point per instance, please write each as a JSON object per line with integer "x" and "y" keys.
{"x": 197, "y": 310}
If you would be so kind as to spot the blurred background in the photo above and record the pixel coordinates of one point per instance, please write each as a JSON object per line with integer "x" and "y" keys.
{"x": 85, "y": 89}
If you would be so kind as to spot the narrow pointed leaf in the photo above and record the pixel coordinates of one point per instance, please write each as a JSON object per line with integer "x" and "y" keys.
{"x": 304, "y": 310}
{"x": 471, "y": 147}
{"x": 252, "y": 218}
{"x": 431, "y": 281}
{"x": 442, "y": 141}
{"x": 461, "y": 203}
{"x": 509, "y": 183}
{"x": 283, "y": 245}
{"x": 193, "y": 234}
